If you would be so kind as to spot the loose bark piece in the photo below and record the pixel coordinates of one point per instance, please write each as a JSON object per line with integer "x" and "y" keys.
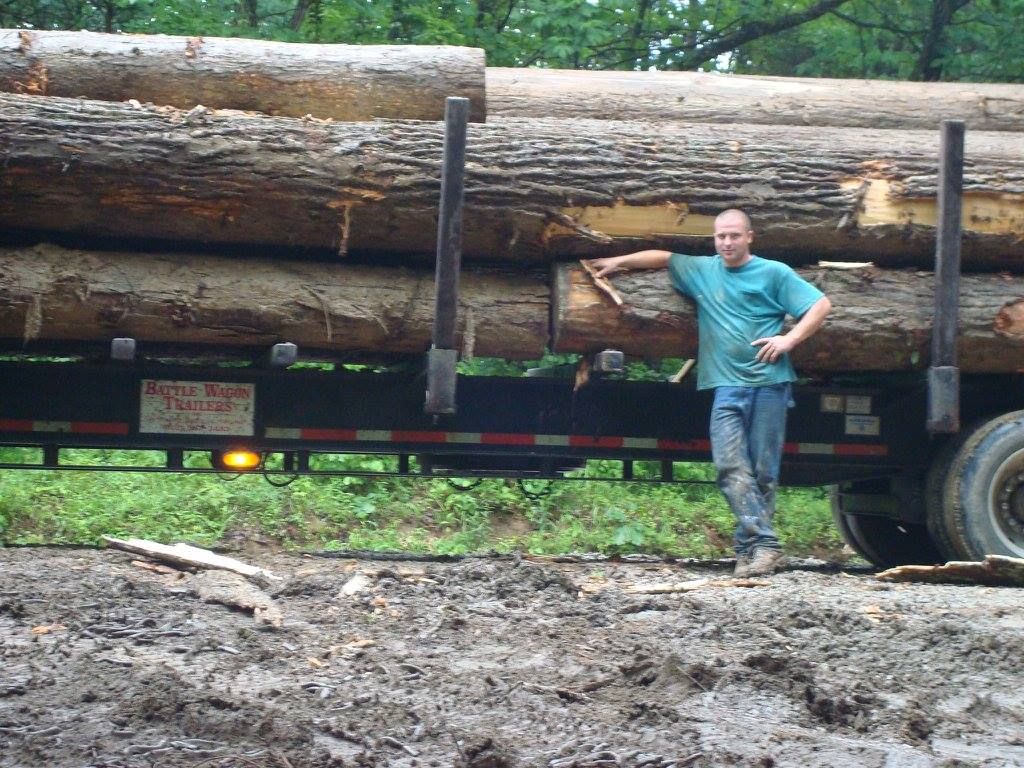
{"x": 881, "y": 319}
{"x": 994, "y": 571}
{"x": 602, "y": 283}
{"x": 50, "y": 295}
{"x": 233, "y": 590}
{"x": 343, "y": 82}
{"x": 702, "y": 97}
{"x": 93, "y": 168}
{"x": 666, "y": 588}
{"x": 189, "y": 557}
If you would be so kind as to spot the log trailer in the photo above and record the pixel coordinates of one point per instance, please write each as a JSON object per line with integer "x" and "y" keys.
{"x": 910, "y": 485}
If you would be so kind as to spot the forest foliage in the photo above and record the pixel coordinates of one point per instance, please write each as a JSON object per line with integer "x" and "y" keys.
{"x": 957, "y": 40}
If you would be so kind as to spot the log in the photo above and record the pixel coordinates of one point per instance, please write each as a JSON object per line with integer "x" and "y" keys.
{"x": 881, "y": 319}
{"x": 49, "y": 295}
{"x": 343, "y": 82}
{"x": 702, "y": 97}
{"x": 535, "y": 189}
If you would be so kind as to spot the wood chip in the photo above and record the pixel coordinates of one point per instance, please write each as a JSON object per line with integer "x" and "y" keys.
{"x": 46, "y": 629}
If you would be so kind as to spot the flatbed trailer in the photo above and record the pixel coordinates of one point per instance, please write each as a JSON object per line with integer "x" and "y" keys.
{"x": 867, "y": 439}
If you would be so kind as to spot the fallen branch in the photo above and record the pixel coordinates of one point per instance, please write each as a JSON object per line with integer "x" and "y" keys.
{"x": 187, "y": 556}
{"x": 994, "y": 571}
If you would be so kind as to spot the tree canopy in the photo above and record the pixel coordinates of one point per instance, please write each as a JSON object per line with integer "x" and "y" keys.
{"x": 968, "y": 40}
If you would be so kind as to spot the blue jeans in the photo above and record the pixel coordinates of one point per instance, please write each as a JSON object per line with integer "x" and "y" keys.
{"x": 748, "y": 429}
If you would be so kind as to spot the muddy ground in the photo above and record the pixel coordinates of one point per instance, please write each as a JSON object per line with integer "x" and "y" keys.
{"x": 499, "y": 663}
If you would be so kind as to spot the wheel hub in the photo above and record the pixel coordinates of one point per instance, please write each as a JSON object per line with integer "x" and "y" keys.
{"x": 1010, "y": 504}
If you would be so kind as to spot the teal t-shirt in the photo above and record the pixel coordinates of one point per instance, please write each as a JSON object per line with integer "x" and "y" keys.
{"x": 736, "y": 305}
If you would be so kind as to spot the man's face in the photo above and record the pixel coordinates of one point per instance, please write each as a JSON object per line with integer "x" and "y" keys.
{"x": 733, "y": 239}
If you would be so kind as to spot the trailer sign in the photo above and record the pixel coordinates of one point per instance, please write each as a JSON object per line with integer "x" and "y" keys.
{"x": 196, "y": 407}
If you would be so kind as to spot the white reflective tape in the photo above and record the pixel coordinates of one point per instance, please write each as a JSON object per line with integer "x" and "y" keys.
{"x": 283, "y": 433}
{"x": 551, "y": 440}
{"x": 639, "y": 442}
{"x": 818, "y": 449}
{"x": 51, "y": 426}
{"x": 374, "y": 435}
{"x": 465, "y": 437}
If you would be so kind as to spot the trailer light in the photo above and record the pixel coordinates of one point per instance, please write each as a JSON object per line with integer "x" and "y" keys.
{"x": 238, "y": 460}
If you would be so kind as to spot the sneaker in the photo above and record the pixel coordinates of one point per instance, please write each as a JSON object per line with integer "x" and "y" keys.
{"x": 765, "y": 561}
{"x": 742, "y": 568}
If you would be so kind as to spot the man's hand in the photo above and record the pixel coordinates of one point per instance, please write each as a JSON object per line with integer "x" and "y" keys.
{"x": 772, "y": 348}
{"x": 605, "y": 266}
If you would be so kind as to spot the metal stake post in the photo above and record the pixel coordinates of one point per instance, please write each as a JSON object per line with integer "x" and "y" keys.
{"x": 442, "y": 356}
{"x": 944, "y": 374}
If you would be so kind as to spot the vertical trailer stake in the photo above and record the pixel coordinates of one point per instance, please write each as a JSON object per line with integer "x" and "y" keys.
{"x": 944, "y": 374}
{"x": 442, "y": 356}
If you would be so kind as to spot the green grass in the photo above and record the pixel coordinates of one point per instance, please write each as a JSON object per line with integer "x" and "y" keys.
{"x": 71, "y": 507}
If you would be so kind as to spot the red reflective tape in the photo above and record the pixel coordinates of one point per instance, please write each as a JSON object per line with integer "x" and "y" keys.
{"x": 328, "y": 434}
{"x": 410, "y": 436}
{"x": 684, "y": 445}
{"x": 586, "y": 441}
{"x": 16, "y": 425}
{"x": 856, "y": 449}
{"x": 507, "y": 438}
{"x": 791, "y": 447}
{"x": 99, "y": 427}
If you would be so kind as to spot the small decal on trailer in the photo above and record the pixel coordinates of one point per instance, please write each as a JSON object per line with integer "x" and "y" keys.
{"x": 863, "y": 425}
{"x": 832, "y": 403}
{"x": 860, "y": 404}
{"x": 196, "y": 407}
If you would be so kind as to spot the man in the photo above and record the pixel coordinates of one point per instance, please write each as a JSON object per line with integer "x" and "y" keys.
{"x": 742, "y": 301}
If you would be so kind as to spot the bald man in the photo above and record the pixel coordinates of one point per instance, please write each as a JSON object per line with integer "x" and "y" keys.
{"x": 742, "y": 302}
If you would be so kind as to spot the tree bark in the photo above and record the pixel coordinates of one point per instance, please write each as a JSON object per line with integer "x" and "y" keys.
{"x": 706, "y": 98}
{"x": 50, "y": 296}
{"x": 535, "y": 189}
{"x": 881, "y": 320}
{"x": 344, "y": 82}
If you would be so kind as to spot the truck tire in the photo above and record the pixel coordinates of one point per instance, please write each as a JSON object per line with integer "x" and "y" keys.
{"x": 983, "y": 494}
{"x": 941, "y": 531}
{"x": 883, "y": 541}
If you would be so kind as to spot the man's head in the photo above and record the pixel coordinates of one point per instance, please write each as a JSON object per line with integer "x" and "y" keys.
{"x": 733, "y": 237}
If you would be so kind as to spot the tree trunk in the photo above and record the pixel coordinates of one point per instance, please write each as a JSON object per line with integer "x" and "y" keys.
{"x": 881, "y": 321}
{"x": 707, "y": 98}
{"x": 344, "y": 82}
{"x": 49, "y": 296}
{"x": 535, "y": 189}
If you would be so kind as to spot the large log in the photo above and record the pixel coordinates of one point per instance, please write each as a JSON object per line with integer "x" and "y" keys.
{"x": 711, "y": 98}
{"x": 535, "y": 189}
{"x": 881, "y": 321}
{"x": 49, "y": 295}
{"x": 344, "y": 82}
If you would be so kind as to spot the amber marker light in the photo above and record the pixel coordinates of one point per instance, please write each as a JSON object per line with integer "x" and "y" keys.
{"x": 238, "y": 460}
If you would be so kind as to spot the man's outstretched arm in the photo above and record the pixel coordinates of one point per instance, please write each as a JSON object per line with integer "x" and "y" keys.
{"x": 639, "y": 260}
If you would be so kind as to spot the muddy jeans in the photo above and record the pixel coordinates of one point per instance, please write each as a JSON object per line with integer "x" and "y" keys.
{"x": 748, "y": 427}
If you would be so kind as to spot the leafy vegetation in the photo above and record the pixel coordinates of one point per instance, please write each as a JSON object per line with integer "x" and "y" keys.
{"x": 915, "y": 39}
